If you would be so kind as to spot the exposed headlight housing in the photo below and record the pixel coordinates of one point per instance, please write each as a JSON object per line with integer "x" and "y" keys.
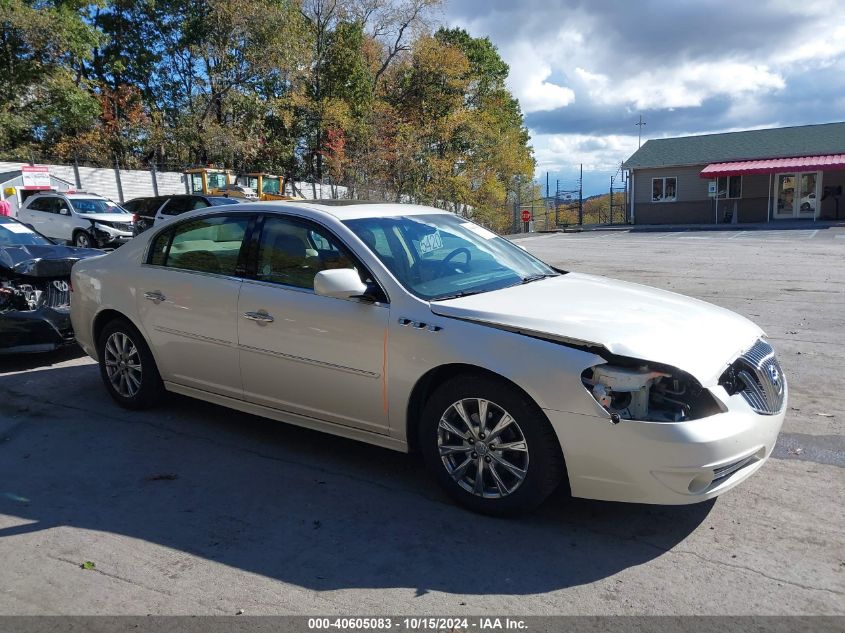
{"x": 648, "y": 393}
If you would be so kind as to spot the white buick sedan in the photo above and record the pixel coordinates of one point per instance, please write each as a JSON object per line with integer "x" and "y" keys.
{"x": 412, "y": 328}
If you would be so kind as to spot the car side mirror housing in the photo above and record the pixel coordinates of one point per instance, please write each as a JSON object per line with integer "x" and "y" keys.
{"x": 64, "y": 211}
{"x": 340, "y": 283}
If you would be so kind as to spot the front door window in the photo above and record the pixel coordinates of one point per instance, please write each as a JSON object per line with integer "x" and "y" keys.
{"x": 807, "y": 200}
{"x": 796, "y": 195}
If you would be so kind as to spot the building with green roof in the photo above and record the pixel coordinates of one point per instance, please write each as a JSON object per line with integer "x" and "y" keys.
{"x": 764, "y": 175}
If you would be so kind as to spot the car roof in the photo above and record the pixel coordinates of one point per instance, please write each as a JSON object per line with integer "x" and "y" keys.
{"x": 350, "y": 209}
{"x": 70, "y": 194}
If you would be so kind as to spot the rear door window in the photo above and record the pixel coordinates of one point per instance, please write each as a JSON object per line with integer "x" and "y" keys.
{"x": 175, "y": 206}
{"x": 48, "y": 204}
{"x": 207, "y": 245}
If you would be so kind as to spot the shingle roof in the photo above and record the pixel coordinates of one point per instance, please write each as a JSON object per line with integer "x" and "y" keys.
{"x": 783, "y": 142}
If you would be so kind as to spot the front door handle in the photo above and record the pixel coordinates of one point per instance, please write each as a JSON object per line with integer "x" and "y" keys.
{"x": 260, "y": 316}
{"x": 155, "y": 296}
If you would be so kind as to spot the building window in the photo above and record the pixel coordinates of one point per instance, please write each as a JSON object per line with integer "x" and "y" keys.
{"x": 729, "y": 187}
{"x": 664, "y": 189}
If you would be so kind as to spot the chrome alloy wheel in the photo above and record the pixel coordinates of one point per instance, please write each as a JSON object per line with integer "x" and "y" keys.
{"x": 482, "y": 448}
{"x": 123, "y": 364}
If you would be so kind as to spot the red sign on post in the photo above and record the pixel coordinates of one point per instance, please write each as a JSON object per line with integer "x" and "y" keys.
{"x": 526, "y": 215}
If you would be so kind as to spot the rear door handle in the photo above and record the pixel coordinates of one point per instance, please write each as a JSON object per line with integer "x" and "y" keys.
{"x": 260, "y": 317}
{"x": 155, "y": 296}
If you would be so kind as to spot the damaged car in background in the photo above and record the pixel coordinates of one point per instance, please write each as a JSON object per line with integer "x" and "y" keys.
{"x": 34, "y": 289}
{"x": 85, "y": 220}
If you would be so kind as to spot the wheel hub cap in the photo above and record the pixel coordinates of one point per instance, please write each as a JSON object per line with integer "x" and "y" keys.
{"x": 482, "y": 448}
{"x": 123, "y": 364}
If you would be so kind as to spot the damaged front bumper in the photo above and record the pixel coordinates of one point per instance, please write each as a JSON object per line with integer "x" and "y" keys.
{"x": 42, "y": 330}
{"x": 35, "y": 297}
{"x": 672, "y": 463}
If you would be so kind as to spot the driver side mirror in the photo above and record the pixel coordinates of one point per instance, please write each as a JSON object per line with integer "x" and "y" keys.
{"x": 340, "y": 283}
{"x": 64, "y": 211}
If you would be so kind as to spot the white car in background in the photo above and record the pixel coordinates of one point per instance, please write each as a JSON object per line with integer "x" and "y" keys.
{"x": 83, "y": 219}
{"x": 236, "y": 191}
{"x": 412, "y": 328}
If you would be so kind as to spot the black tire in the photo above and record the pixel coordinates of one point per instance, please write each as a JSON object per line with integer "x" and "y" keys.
{"x": 545, "y": 468}
{"x": 151, "y": 390}
{"x": 83, "y": 239}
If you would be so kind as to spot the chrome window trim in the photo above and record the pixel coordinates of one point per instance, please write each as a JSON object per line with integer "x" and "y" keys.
{"x": 195, "y": 272}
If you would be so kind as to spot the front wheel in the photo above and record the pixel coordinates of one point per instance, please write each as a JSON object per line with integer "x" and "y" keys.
{"x": 127, "y": 366}
{"x": 490, "y": 446}
{"x": 83, "y": 239}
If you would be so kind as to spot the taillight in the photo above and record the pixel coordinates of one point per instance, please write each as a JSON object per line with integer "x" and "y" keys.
{"x": 70, "y": 284}
{"x": 135, "y": 218}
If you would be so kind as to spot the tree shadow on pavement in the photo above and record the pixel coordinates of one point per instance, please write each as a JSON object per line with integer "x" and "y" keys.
{"x": 317, "y": 511}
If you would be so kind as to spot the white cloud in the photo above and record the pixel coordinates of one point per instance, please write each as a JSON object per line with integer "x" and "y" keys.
{"x": 681, "y": 86}
{"x": 566, "y": 152}
{"x": 528, "y": 81}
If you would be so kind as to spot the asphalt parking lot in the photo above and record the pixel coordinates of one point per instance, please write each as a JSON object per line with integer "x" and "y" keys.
{"x": 195, "y": 509}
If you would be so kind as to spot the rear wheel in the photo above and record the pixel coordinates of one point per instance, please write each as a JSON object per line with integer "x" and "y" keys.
{"x": 127, "y": 366}
{"x": 490, "y": 446}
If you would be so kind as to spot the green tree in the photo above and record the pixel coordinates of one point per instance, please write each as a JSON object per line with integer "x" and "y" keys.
{"x": 43, "y": 95}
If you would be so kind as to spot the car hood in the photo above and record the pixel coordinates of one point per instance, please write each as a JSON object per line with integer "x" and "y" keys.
{"x": 624, "y": 318}
{"x": 124, "y": 218}
{"x": 52, "y": 260}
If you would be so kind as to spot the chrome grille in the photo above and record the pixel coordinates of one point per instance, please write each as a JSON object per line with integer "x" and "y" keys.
{"x": 57, "y": 294}
{"x": 726, "y": 471}
{"x": 763, "y": 384}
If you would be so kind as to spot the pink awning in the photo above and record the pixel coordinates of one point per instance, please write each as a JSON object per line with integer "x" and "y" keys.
{"x": 774, "y": 165}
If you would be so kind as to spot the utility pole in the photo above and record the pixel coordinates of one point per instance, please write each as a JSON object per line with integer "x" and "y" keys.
{"x": 547, "y": 184}
{"x": 557, "y": 211}
{"x": 581, "y": 196}
{"x": 640, "y": 125}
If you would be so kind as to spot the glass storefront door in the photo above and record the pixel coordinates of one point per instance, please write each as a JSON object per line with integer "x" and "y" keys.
{"x": 807, "y": 201}
{"x": 796, "y": 195}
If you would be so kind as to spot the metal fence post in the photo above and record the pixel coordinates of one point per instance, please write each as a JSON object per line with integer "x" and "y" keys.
{"x": 117, "y": 180}
{"x": 76, "y": 172}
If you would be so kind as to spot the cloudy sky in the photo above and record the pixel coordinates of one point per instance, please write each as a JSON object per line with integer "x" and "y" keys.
{"x": 585, "y": 70}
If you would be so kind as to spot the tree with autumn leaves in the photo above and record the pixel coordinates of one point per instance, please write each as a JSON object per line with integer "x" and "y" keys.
{"x": 364, "y": 94}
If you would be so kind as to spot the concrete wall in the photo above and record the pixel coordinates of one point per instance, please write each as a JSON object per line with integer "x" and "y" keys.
{"x": 136, "y": 183}
{"x": 104, "y": 180}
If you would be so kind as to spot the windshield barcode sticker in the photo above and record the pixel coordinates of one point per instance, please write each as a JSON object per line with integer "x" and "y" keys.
{"x": 431, "y": 242}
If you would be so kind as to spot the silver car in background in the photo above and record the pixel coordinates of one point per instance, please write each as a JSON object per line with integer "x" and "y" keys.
{"x": 415, "y": 329}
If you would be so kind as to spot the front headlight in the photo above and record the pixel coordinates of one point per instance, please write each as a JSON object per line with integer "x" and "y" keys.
{"x": 648, "y": 393}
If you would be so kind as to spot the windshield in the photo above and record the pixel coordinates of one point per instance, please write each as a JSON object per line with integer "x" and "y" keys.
{"x": 217, "y": 180}
{"x": 270, "y": 184}
{"x": 94, "y": 205}
{"x": 14, "y": 233}
{"x": 441, "y": 256}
